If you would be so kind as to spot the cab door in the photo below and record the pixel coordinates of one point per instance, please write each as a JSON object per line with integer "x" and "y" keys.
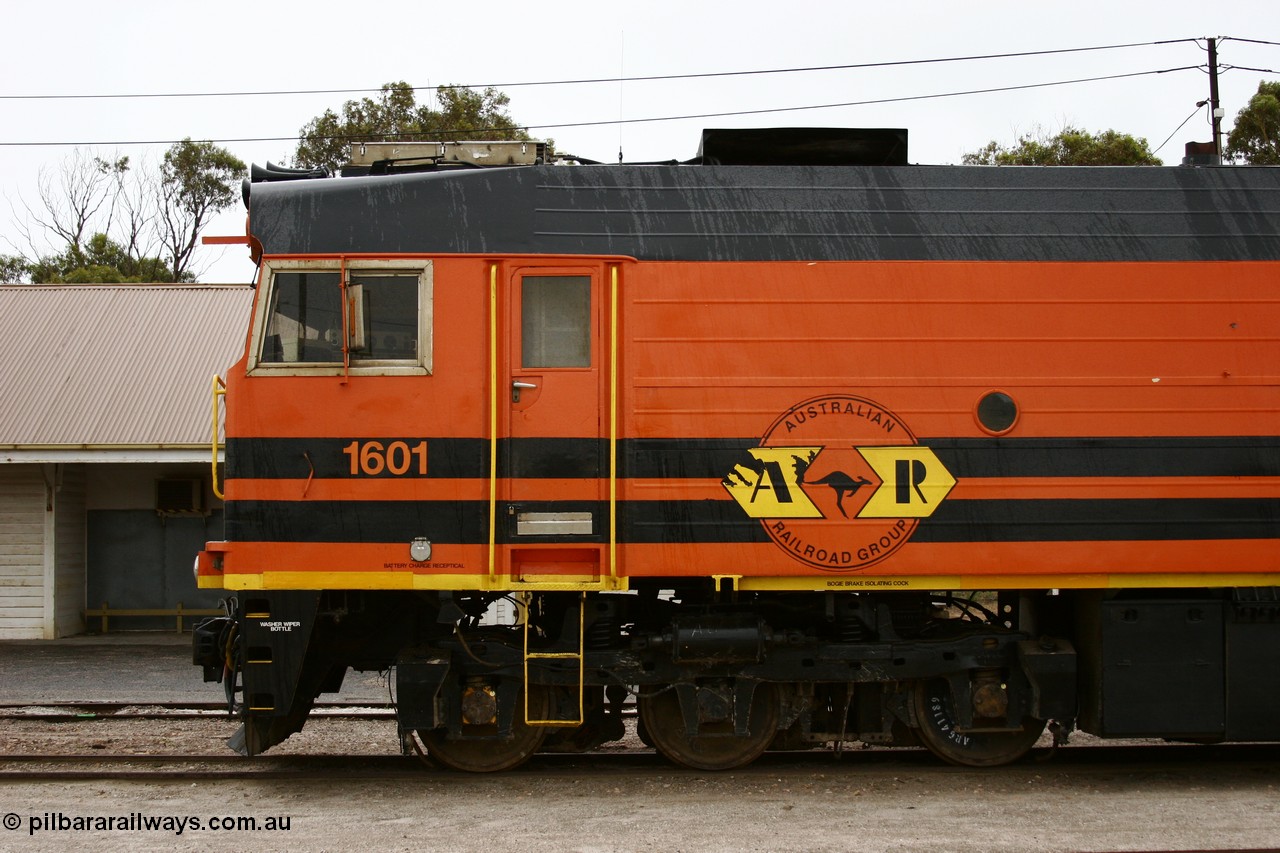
{"x": 554, "y": 461}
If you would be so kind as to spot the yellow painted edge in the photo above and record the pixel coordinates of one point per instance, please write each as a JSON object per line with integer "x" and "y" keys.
{"x": 565, "y": 584}
{"x": 985, "y": 582}
{"x": 407, "y": 580}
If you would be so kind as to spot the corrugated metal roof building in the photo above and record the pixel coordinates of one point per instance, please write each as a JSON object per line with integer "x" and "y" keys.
{"x": 95, "y": 367}
{"x": 104, "y": 446}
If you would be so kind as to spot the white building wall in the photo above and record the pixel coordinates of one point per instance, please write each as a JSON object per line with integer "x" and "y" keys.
{"x": 23, "y": 502}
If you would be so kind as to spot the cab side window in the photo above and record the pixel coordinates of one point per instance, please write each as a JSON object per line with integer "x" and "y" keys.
{"x": 385, "y": 324}
{"x": 305, "y": 319}
{"x": 390, "y": 315}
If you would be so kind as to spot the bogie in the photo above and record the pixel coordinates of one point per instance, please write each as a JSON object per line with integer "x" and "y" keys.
{"x": 986, "y": 741}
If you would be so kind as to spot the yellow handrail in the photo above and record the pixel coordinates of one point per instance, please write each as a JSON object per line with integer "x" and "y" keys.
{"x": 493, "y": 421}
{"x": 219, "y": 389}
{"x": 613, "y": 423}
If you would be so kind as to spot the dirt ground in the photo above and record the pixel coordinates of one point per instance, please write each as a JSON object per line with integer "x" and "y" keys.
{"x": 810, "y": 801}
{"x": 629, "y": 802}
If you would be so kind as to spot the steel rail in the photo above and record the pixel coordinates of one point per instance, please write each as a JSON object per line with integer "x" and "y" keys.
{"x": 1111, "y": 757}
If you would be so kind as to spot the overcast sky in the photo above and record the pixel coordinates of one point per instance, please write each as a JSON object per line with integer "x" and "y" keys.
{"x": 75, "y": 48}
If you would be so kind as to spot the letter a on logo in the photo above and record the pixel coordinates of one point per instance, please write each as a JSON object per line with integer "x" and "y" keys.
{"x": 769, "y": 487}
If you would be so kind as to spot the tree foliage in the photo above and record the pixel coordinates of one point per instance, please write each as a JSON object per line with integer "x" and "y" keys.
{"x": 396, "y": 116}
{"x": 103, "y": 220}
{"x": 1070, "y": 147}
{"x": 13, "y": 269}
{"x": 197, "y": 180}
{"x": 100, "y": 260}
{"x": 1255, "y": 138}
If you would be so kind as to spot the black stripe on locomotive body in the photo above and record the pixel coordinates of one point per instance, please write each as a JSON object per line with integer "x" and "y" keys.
{"x": 448, "y": 458}
{"x": 990, "y": 520}
{"x": 686, "y": 522}
{"x": 812, "y": 213}
{"x": 326, "y": 459}
{"x": 695, "y": 458}
{"x": 1165, "y": 456}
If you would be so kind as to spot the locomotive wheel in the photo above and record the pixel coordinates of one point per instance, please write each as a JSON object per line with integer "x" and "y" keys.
{"x": 719, "y": 748}
{"x": 934, "y": 710}
{"x": 477, "y": 754}
{"x": 643, "y": 733}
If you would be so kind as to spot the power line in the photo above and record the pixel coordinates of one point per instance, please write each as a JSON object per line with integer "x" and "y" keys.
{"x": 1250, "y": 41}
{"x": 1247, "y": 68}
{"x": 619, "y": 79}
{"x": 527, "y": 127}
{"x": 1176, "y": 129}
{"x": 875, "y": 100}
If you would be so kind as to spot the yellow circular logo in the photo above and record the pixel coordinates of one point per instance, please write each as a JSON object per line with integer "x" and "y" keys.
{"x": 839, "y": 482}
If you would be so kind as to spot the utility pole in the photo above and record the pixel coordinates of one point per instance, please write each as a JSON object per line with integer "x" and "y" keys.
{"x": 1214, "y": 105}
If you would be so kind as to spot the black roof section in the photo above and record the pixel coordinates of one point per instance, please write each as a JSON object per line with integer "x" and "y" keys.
{"x": 776, "y": 212}
{"x": 803, "y": 146}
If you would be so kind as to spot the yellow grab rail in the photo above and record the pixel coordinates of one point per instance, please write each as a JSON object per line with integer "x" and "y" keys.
{"x": 613, "y": 425}
{"x": 219, "y": 389}
{"x": 493, "y": 422}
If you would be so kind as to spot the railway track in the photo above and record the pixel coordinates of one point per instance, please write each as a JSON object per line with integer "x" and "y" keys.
{"x": 178, "y": 767}
{"x": 70, "y": 761}
{"x": 83, "y": 767}
{"x": 56, "y": 712}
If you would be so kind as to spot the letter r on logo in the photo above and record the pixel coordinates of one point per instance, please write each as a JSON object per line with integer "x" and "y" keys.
{"x": 909, "y": 475}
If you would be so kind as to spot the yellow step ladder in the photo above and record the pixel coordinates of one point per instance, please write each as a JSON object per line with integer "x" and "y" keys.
{"x": 579, "y": 656}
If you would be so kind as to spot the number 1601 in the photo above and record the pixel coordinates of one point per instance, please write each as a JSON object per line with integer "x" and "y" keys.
{"x": 397, "y": 458}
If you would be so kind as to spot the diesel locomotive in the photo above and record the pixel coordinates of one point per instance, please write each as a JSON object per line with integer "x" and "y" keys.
{"x": 798, "y": 443}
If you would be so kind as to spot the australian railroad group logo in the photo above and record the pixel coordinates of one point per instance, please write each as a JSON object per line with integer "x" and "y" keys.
{"x": 839, "y": 482}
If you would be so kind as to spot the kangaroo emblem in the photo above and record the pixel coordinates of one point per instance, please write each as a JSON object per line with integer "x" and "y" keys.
{"x": 840, "y": 482}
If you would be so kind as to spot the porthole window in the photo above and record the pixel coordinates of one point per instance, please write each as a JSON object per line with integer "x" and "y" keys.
{"x": 996, "y": 412}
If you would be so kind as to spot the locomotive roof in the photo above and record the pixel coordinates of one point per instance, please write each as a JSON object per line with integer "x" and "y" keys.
{"x": 812, "y": 213}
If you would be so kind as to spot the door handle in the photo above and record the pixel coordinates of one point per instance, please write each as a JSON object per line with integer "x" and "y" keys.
{"x": 516, "y": 385}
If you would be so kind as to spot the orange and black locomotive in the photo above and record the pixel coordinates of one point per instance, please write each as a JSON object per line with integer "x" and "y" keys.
{"x": 798, "y": 443}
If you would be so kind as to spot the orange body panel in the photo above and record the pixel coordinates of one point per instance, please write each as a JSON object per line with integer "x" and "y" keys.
{"x": 706, "y": 357}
